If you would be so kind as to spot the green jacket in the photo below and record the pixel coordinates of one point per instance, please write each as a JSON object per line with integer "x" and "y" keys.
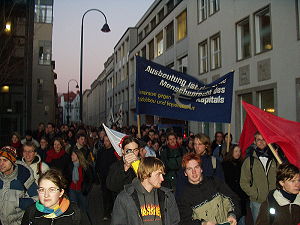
{"x": 263, "y": 180}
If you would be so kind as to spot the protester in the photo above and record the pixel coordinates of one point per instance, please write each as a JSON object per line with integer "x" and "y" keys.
{"x": 58, "y": 158}
{"x": 205, "y": 200}
{"x": 149, "y": 149}
{"x": 145, "y": 201}
{"x": 81, "y": 182}
{"x": 39, "y": 132}
{"x": 218, "y": 141}
{"x": 258, "y": 174}
{"x": 29, "y": 138}
{"x": 157, "y": 148}
{"x": 17, "y": 187}
{"x": 282, "y": 205}
{"x": 210, "y": 165}
{"x": 190, "y": 145}
{"x": 82, "y": 146}
{"x": 232, "y": 164}
{"x": 171, "y": 155}
{"x": 16, "y": 143}
{"x": 53, "y": 206}
{"x": 121, "y": 172}
{"x": 50, "y": 133}
{"x": 105, "y": 158}
{"x": 43, "y": 149}
{"x": 220, "y": 151}
{"x": 33, "y": 160}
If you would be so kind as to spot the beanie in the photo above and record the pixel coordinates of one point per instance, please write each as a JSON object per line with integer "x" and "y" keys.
{"x": 9, "y": 152}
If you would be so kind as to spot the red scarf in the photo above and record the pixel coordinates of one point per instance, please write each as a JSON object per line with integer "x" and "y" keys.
{"x": 174, "y": 146}
{"x": 52, "y": 154}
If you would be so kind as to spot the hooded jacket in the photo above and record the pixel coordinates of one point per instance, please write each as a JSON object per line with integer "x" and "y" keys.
{"x": 127, "y": 207}
{"x": 37, "y": 167}
{"x": 17, "y": 191}
{"x": 286, "y": 213}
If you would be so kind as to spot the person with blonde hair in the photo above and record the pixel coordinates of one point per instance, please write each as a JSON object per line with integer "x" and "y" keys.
{"x": 145, "y": 201}
{"x": 81, "y": 181}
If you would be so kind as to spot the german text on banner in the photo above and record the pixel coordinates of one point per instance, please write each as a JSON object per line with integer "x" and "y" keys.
{"x": 274, "y": 129}
{"x": 164, "y": 92}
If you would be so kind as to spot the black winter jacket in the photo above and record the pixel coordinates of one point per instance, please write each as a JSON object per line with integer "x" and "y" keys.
{"x": 34, "y": 217}
{"x": 117, "y": 177}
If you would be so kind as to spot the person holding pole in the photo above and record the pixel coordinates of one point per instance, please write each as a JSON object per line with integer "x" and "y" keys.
{"x": 258, "y": 173}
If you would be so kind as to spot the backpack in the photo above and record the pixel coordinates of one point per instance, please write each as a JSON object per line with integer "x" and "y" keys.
{"x": 76, "y": 217}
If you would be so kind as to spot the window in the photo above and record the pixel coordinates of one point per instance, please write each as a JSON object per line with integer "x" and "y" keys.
{"x": 159, "y": 44}
{"x": 146, "y": 30}
{"x": 266, "y": 100}
{"x": 140, "y": 36}
{"x": 181, "y": 26}
{"x": 43, "y": 12}
{"x": 214, "y": 6}
{"x": 262, "y": 21}
{"x": 153, "y": 23}
{"x": 143, "y": 52}
{"x": 160, "y": 15}
{"x": 151, "y": 49}
{"x": 246, "y": 98}
{"x": 202, "y": 10}
{"x": 215, "y": 52}
{"x": 243, "y": 39}
{"x": 183, "y": 64}
{"x": 169, "y": 35}
{"x": 45, "y": 52}
{"x": 170, "y": 5}
{"x": 203, "y": 57}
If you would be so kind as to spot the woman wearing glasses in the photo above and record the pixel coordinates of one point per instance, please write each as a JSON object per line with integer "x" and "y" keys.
{"x": 53, "y": 206}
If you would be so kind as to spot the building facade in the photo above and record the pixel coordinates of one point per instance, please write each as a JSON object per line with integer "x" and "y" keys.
{"x": 259, "y": 40}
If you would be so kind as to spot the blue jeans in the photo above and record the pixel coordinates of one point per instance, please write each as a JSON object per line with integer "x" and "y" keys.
{"x": 79, "y": 198}
{"x": 254, "y": 206}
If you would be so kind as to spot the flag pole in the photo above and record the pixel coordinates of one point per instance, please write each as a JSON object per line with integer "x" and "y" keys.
{"x": 139, "y": 125}
{"x": 275, "y": 153}
{"x": 228, "y": 136}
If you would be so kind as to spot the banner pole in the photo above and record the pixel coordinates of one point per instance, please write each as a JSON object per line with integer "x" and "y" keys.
{"x": 139, "y": 125}
{"x": 275, "y": 153}
{"x": 228, "y": 136}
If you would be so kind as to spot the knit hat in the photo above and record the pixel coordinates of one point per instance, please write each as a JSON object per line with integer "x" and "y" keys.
{"x": 9, "y": 152}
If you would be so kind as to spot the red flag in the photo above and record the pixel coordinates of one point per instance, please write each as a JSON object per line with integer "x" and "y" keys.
{"x": 274, "y": 129}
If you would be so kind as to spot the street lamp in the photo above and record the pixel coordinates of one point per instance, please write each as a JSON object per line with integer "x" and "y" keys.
{"x": 69, "y": 104}
{"x": 104, "y": 29}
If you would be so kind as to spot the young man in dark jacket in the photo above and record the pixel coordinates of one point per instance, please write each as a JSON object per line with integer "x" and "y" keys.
{"x": 205, "y": 200}
{"x": 145, "y": 201}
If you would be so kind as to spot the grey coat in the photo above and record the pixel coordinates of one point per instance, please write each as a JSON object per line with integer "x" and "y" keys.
{"x": 17, "y": 191}
{"x": 126, "y": 209}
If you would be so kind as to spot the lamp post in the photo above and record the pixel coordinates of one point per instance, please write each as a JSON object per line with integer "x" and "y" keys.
{"x": 104, "y": 29}
{"x": 69, "y": 104}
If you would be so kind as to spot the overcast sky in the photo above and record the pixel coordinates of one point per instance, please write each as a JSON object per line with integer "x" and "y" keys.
{"x": 98, "y": 46}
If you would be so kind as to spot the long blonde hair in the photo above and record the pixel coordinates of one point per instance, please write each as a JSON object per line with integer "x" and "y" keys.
{"x": 82, "y": 161}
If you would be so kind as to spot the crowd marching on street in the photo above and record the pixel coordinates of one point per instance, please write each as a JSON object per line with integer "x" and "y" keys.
{"x": 161, "y": 178}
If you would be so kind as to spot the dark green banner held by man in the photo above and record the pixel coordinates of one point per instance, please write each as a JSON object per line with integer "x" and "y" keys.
{"x": 164, "y": 92}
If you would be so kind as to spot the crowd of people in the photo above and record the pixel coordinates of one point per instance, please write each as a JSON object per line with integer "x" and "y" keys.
{"x": 161, "y": 178}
